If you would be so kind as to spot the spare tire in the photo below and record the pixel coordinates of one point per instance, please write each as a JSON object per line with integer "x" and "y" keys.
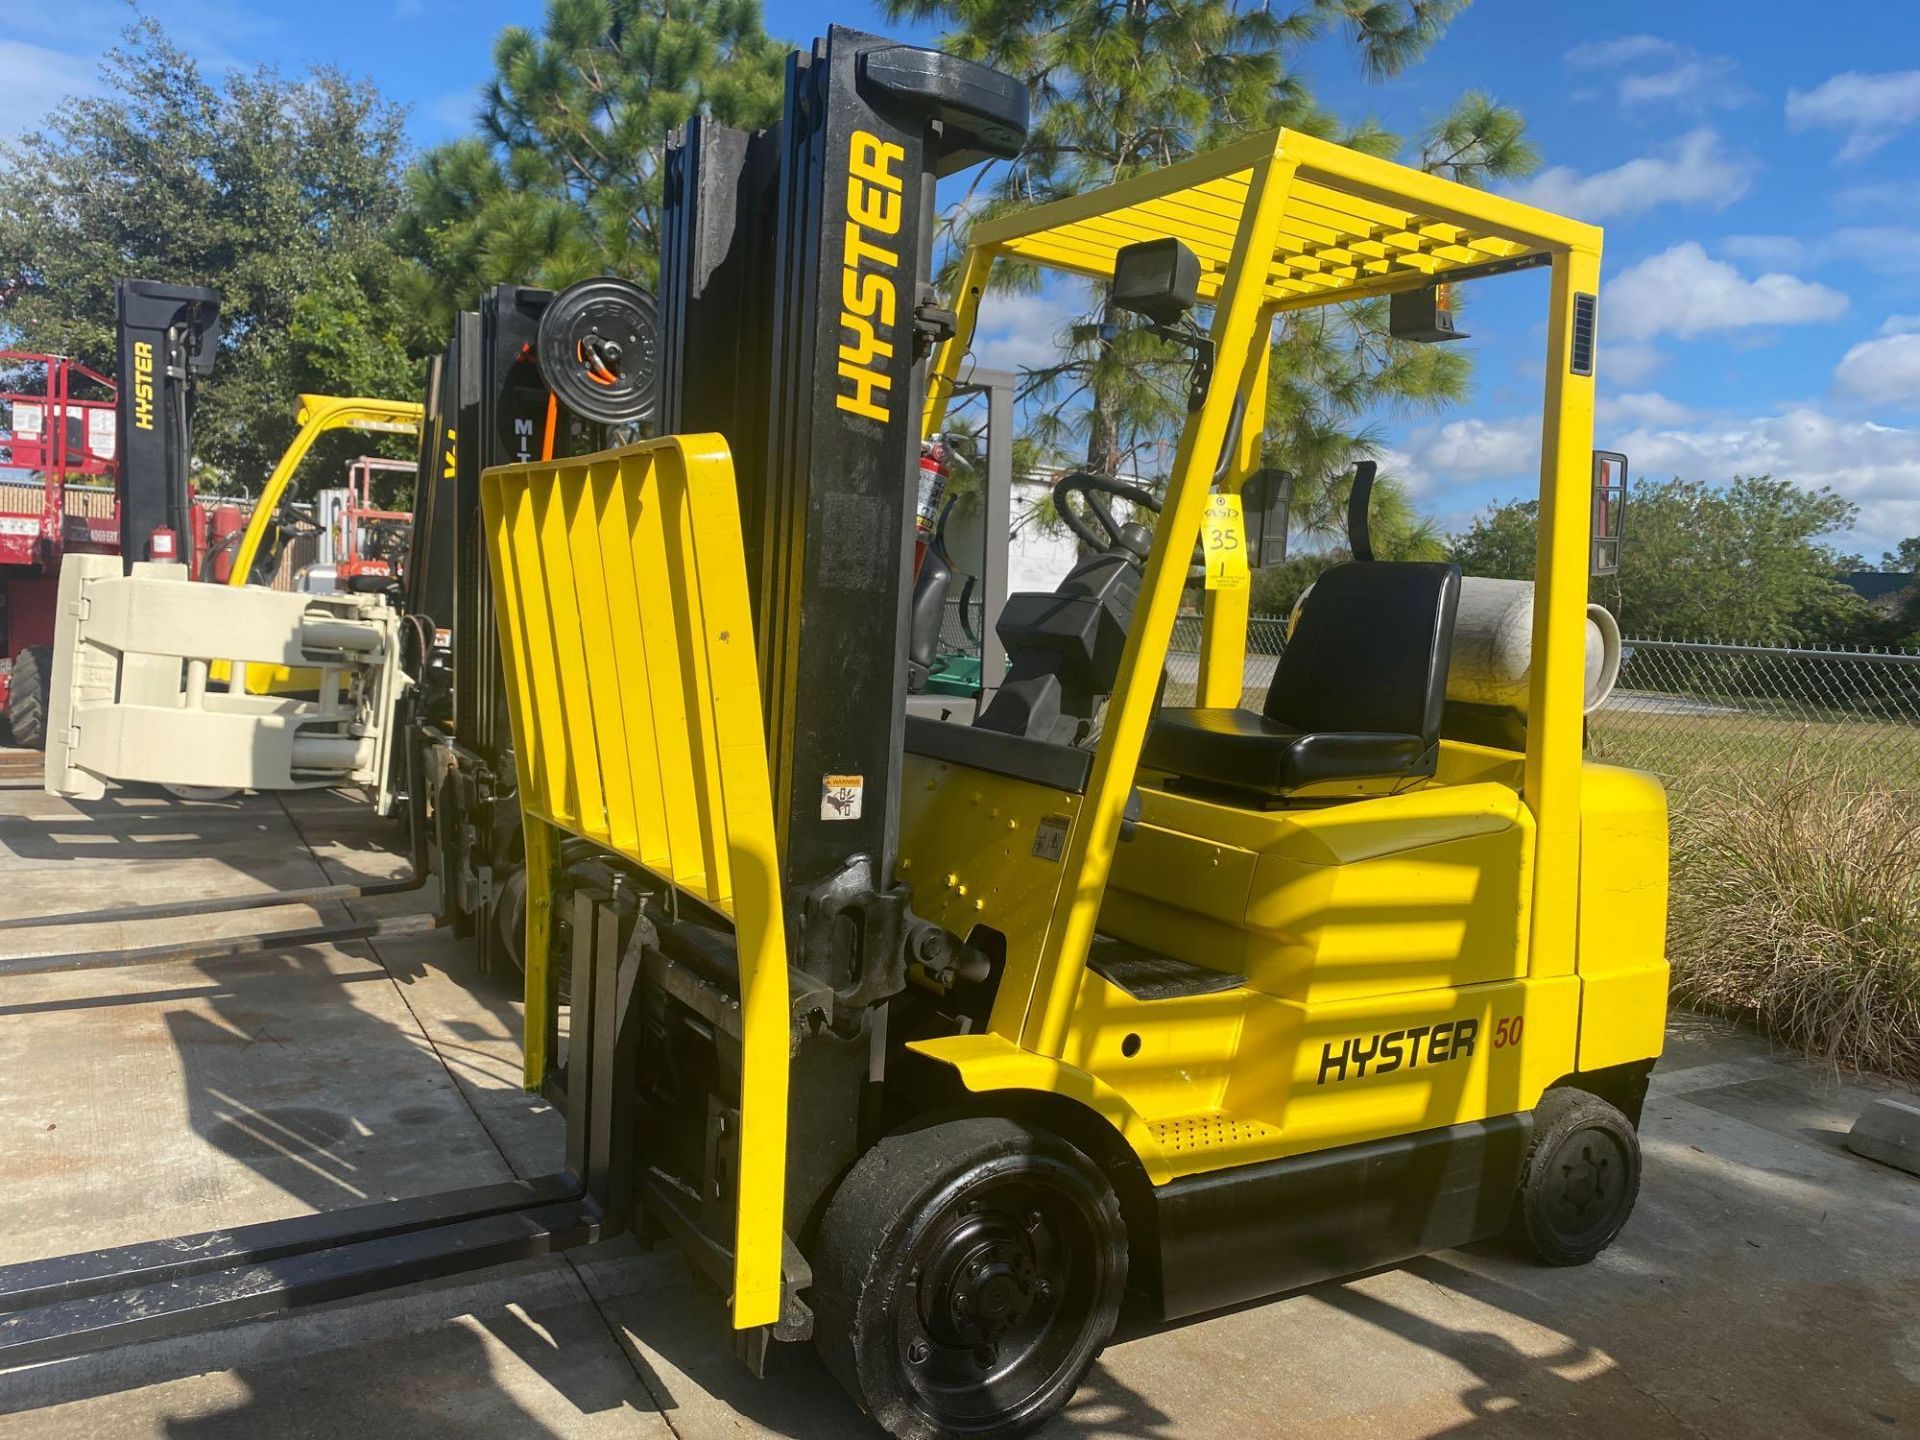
{"x": 27, "y": 697}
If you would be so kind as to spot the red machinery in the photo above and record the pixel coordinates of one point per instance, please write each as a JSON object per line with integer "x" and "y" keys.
{"x": 362, "y": 527}
{"x": 57, "y": 454}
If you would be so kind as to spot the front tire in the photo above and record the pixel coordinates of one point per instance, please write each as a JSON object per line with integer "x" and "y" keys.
{"x": 966, "y": 1277}
{"x": 1580, "y": 1180}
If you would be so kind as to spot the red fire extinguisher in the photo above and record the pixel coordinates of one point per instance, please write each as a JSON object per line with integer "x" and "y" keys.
{"x": 934, "y": 469}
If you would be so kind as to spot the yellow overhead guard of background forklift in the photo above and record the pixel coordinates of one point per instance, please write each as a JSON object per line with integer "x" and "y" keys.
{"x": 628, "y": 646}
{"x": 318, "y": 414}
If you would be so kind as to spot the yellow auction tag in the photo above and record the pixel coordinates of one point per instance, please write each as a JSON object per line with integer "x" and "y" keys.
{"x": 1223, "y": 535}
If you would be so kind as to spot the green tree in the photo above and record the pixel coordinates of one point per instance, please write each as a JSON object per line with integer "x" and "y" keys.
{"x": 1122, "y": 88}
{"x": 564, "y": 180}
{"x": 1742, "y": 562}
{"x": 1499, "y": 544}
{"x": 277, "y": 193}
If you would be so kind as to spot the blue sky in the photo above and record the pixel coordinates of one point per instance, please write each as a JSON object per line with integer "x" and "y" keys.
{"x": 1760, "y": 309}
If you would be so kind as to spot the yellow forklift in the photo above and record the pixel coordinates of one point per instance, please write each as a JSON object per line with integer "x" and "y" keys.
{"x": 954, "y": 1032}
{"x": 929, "y": 1039}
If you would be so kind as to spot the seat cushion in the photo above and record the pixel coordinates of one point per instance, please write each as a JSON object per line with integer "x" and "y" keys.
{"x": 1244, "y": 750}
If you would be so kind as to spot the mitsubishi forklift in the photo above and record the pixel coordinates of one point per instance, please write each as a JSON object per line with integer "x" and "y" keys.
{"x": 929, "y": 1039}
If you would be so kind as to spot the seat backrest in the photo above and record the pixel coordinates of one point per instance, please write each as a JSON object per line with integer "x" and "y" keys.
{"x": 1369, "y": 650}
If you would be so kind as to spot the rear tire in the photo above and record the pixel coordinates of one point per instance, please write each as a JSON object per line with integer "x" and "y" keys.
{"x": 1580, "y": 1180}
{"x": 28, "y": 695}
{"x": 966, "y": 1277}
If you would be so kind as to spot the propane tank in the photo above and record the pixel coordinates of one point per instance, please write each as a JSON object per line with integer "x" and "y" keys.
{"x": 1492, "y": 654}
{"x": 1491, "y": 661}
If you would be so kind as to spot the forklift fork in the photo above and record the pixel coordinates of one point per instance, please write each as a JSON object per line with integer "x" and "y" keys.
{"x": 70, "y": 1305}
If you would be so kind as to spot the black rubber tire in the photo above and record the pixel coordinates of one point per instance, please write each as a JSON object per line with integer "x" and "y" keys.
{"x": 929, "y": 1212}
{"x": 1580, "y": 1180}
{"x": 27, "y": 696}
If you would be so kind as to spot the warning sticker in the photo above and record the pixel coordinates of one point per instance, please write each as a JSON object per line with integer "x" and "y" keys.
{"x": 100, "y": 433}
{"x": 840, "y": 796}
{"x": 1050, "y": 838}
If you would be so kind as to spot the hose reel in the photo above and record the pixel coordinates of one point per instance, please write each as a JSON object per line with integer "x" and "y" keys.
{"x": 599, "y": 350}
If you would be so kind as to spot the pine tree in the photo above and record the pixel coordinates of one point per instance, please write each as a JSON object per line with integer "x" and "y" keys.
{"x": 564, "y": 180}
{"x": 1120, "y": 87}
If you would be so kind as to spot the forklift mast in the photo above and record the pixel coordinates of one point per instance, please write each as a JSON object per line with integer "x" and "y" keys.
{"x": 168, "y": 337}
{"x": 796, "y": 298}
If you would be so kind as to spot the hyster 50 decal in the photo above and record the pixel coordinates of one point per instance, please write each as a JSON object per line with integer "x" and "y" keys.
{"x": 1397, "y": 1049}
{"x": 142, "y": 385}
{"x": 869, "y": 293}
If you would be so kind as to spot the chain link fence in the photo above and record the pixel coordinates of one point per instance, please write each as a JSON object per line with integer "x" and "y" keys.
{"x": 1687, "y": 711}
{"x": 1691, "y": 711}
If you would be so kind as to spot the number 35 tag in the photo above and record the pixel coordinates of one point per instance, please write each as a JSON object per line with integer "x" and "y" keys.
{"x": 1223, "y": 536}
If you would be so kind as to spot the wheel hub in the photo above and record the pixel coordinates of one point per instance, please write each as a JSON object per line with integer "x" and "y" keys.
{"x": 984, "y": 1281}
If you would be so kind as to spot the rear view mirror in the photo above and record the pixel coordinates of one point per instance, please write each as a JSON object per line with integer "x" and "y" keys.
{"x": 1609, "y": 510}
{"x": 1159, "y": 279}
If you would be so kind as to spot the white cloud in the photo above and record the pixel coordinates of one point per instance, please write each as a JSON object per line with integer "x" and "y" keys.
{"x": 1875, "y": 466}
{"x": 1477, "y": 449}
{"x": 35, "y": 79}
{"x": 1870, "y": 109}
{"x": 1766, "y": 249}
{"x": 1885, "y": 371}
{"x": 1900, "y": 324}
{"x": 1404, "y": 470}
{"x": 1644, "y": 407}
{"x": 457, "y": 110}
{"x": 1606, "y": 54}
{"x": 1695, "y": 170}
{"x": 1660, "y": 72}
{"x": 1021, "y": 331}
{"x": 1628, "y": 361}
{"x": 1879, "y": 197}
{"x": 1684, "y": 292}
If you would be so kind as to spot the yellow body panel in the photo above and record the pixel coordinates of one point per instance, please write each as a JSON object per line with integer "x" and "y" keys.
{"x": 1623, "y": 916}
{"x": 627, "y": 642}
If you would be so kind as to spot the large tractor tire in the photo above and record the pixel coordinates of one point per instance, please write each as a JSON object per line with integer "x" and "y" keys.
{"x": 27, "y": 698}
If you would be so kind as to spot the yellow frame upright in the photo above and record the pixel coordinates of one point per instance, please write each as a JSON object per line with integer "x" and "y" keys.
{"x": 1284, "y": 222}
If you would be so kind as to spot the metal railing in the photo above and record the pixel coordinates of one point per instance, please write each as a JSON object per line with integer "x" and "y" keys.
{"x": 1689, "y": 711}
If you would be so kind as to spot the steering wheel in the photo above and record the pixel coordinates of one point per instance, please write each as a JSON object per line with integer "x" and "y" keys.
{"x": 1090, "y": 487}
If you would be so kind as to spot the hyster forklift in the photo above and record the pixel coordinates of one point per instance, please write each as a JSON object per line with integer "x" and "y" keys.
{"x": 930, "y": 1039}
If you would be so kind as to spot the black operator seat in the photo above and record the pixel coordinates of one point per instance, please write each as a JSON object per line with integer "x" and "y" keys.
{"x": 1354, "y": 708}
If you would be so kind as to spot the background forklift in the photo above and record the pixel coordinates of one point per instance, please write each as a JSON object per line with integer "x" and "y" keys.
{"x": 927, "y": 1040}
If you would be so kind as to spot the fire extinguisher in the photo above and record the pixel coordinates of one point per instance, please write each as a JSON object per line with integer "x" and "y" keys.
{"x": 934, "y": 469}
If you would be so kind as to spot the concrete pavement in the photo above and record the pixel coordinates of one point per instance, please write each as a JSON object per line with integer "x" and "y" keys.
{"x": 1769, "y": 1283}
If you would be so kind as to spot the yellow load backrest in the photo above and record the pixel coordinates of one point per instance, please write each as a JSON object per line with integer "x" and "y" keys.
{"x": 627, "y": 642}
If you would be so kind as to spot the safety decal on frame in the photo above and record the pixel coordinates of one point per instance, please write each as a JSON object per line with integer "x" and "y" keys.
{"x": 840, "y": 796}
{"x": 1050, "y": 838}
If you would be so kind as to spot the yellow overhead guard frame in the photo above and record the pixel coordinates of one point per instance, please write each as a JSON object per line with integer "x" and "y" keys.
{"x": 640, "y": 727}
{"x": 1285, "y": 222}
